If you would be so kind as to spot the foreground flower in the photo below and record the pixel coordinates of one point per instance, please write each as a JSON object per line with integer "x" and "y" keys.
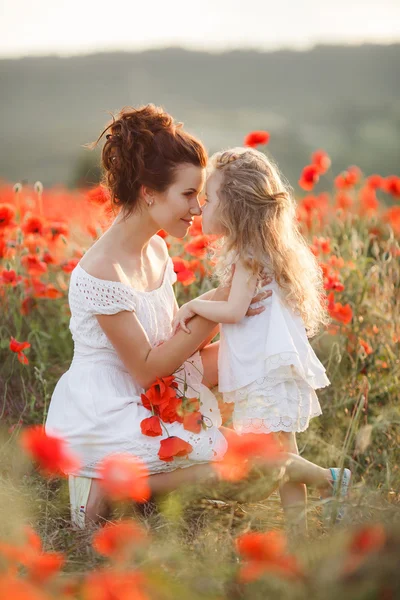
{"x": 114, "y": 585}
{"x": 51, "y": 452}
{"x": 10, "y": 277}
{"x": 243, "y": 450}
{"x": 173, "y": 447}
{"x": 367, "y": 540}
{"x": 18, "y": 348}
{"x": 161, "y": 391}
{"x": 116, "y": 540}
{"x": 124, "y": 477}
{"x": 309, "y": 177}
{"x": 40, "y": 565}
{"x": 256, "y": 138}
{"x": 266, "y": 552}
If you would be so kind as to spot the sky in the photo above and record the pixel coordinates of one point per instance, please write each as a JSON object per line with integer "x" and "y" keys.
{"x": 40, "y": 27}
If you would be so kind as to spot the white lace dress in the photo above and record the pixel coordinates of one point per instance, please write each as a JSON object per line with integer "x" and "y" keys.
{"x": 96, "y": 405}
{"x": 269, "y": 370}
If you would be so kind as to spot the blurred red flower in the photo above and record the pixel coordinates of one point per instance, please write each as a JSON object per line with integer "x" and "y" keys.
{"x": 348, "y": 178}
{"x": 33, "y": 265}
{"x": 7, "y": 214}
{"x": 198, "y": 246}
{"x": 321, "y": 160}
{"x": 51, "y": 452}
{"x": 338, "y": 311}
{"x": 374, "y": 181}
{"x": 184, "y": 274}
{"x": 33, "y": 224}
{"x": 309, "y": 177}
{"x": 256, "y": 138}
{"x": 98, "y": 195}
{"x": 266, "y": 552}
{"x": 391, "y": 185}
{"x": 116, "y": 540}
{"x": 173, "y": 447}
{"x": 124, "y": 477}
{"x": 242, "y": 450}
{"x": 10, "y": 277}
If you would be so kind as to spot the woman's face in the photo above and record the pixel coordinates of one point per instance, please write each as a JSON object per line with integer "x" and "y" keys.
{"x": 210, "y": 222}
{"x": 174, "y": 209}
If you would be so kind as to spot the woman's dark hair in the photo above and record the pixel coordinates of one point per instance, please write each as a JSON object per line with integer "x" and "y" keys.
{"x": 144, "y": 146}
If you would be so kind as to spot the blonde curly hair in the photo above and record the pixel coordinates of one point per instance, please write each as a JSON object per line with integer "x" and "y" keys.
{"x": 257, "y": 213}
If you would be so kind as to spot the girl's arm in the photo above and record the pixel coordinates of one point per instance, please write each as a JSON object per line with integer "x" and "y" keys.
{"x": 232, "y": 310}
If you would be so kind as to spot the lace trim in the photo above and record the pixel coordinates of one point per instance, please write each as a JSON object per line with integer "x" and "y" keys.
{"x": 255, "y": 425}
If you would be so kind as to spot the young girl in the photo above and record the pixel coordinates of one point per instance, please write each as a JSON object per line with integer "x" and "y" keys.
{"x": 266, "y": 365}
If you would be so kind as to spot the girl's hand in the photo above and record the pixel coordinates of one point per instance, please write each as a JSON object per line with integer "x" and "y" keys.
{"x": 184, "y": 314}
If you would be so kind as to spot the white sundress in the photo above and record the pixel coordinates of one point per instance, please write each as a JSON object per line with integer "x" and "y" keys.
{"x": 96, "y": 405}
{"x": 268, "y": 369}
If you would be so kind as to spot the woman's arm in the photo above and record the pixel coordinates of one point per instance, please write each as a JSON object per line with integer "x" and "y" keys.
{"x": 144, "y": 362}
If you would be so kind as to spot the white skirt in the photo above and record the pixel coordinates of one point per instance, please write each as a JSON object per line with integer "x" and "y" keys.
{"x": 266, "y": 406}
{"x": 96, "y": 408}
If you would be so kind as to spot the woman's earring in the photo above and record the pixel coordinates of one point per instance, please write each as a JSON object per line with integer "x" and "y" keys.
{"x": 150, "y": 203}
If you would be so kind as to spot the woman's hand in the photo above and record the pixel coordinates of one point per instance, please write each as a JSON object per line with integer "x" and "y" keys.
{"x": 260, "y": 296}
{"x": 184, "y": 314}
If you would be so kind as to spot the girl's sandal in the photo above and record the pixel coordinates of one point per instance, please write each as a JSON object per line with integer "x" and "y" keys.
{"x": 331, "y": 506}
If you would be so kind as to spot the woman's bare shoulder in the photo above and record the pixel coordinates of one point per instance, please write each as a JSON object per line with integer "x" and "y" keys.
{"x": 99, "y": 264}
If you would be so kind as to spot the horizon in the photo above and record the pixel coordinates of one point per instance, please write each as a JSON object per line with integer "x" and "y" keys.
{"x": 32, "y": 29}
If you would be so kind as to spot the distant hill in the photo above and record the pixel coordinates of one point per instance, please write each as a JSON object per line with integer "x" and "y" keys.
{"x": 344, "y": 99}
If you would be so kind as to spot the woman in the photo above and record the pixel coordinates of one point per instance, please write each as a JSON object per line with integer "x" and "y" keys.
{"x": 122, "y": 305}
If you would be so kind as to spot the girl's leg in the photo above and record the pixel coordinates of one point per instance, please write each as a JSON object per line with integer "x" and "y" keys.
{"x": 293, "y": 495}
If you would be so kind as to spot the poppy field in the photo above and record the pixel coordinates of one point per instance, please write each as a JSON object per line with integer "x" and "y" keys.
{"x": 196, "y": 543}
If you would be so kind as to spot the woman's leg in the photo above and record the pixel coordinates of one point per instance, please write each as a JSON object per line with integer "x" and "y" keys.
{"x": 209, "y": 357}
{"x": 293, "y": 495}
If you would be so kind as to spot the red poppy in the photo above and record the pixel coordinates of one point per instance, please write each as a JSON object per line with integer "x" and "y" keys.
{"x": 163, "y": 390}
{"x": 375, "y": 181}
{"x": 198, "y": 246}
{"x": 18, "y": 348}
{"x": 193, "y": 421}
{"x": 114, "y": 585}
{"x": 369, "y": 203}
{"x": 162, "y": 233}
{"x": 367, "y": 348}
{"x": 184, "y": 274}
{"x": 55, "y": 230}
{"x": 343, "y": 200}
{"x": 256, "y": 138}
{"x": 263, "y": 552}
{"x": 338, "y": 311}
{"x": 33, "y": 265}
{"x": 151, "y": 426}
{"x": 116, "y": 540}
{"x": 27, "y": 305}
{"x": 70, "y": 265}
{"x": 242, "y": 450}
{"x": 392, "y": 216}
{"x": 171, "y": 410}
{"x": 321, "y": 160}
{"x": 14, "y": 587}
{"x": 51, "y": 452}
{"x": 309, "y": 177}
{"x": 391, "y": 185}
{"x": 33, "y": 224}
{"x": 173, "y": 447}
{"x": 348, "y": 178}
{"x": 10, "y": 278}
{"x": 98, "y": 195}
{"x": 124, "y": 476}
{"x": 7, "y": 214}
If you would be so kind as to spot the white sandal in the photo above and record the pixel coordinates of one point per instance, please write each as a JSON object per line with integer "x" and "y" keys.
{"x": 79, "y": 490}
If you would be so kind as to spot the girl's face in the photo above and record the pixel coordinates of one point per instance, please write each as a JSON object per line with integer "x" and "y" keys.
{"x": 174, "y": 209}
{"x": 210, "y": 222}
